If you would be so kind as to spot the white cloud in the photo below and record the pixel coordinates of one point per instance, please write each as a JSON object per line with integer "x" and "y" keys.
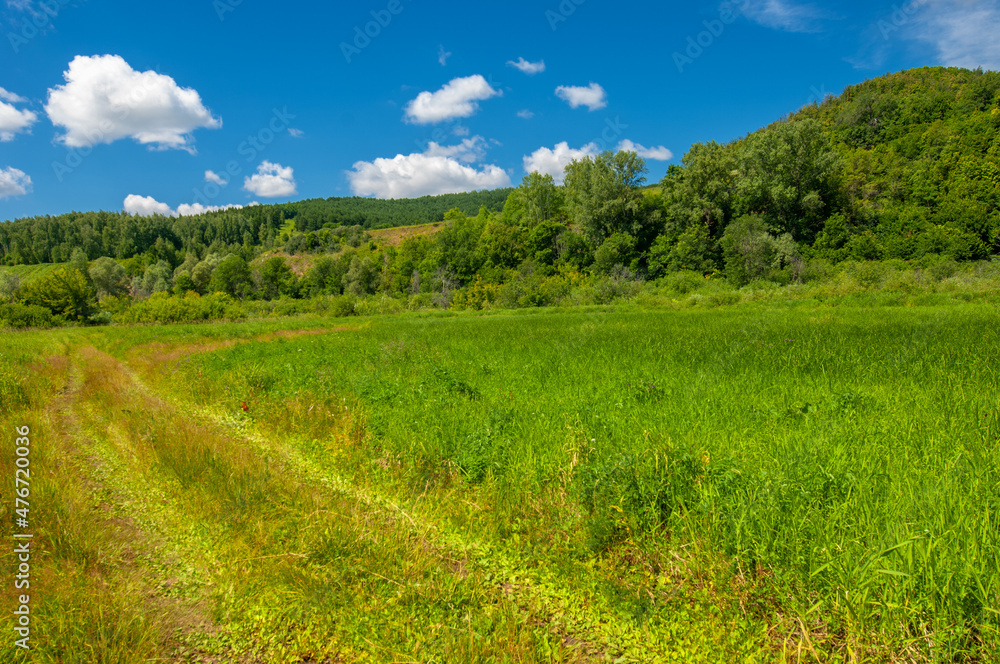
{"x": 408, "y": 176}
{"x": 457, "y": 99}
{"x": 13, "y": 121}
{"x": 785, "y": 14}
{"x": 553, "y": 161}
{"x": 11, "y": 97}
{"x": 14, "y": 182}
{"x": 529, "y": 68}
{"x": 146, "y": 206}
{"x": 296, "y": 133}
{"x": 460, "y": 130}
{"x": 194, "y": 209}
{"x": 963, "y": 32}
{"x": 593, "y": 96}
{"x": 271, "y": 181}
{"x": 105, "y": 100}
{"x": 470, "y": 150}
{"x": 659, "y": 153}
{"x": 443, "y": 55}
{"x": 526, "y": 114}
{"x": 215, "y": 178}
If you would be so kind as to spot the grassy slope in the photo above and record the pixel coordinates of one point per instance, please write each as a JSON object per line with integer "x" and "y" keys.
{"x": 29, "y": 273}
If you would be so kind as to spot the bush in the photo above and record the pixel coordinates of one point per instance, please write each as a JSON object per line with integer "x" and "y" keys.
{"x": 20, "y": 315}
{"x": 378, "y": 305}
{"x": 682, "y": 282}
{"x": 752, "y": 252}
{"x": 162, "y": 308}
{"x": 65, "y": 293}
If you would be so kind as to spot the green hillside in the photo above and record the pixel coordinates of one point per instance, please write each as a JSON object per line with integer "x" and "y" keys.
{"x": 51, "y": 239}
{"x": 896, "y": 167}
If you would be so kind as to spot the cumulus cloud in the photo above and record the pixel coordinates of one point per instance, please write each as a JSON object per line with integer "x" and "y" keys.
{"x": 963, "y": 32}
{"x": 271, "y": 181}
{"x": 14, "y": 182}
{"x": 658, "y": 153}
{"x": 194, "y": 209}
{"x": 12, "y": 120}
{"x": 457, "y": 99}
{"x": 10, "y": 97}
{"x": 529, "y": 68}
{"x": 593, "y": 96}
{"x": 105, "y": 100}
{"x": 525, "y": 114}
{"x": 553, "y": 161}
{"x": 215, "y": 178}
{"x": 422, "y": 174}
{"x": 147, "y": 206}
{"x": 470, "y": 150}
{"x": 296, "y": 133}
{"x": 785, "y": 15}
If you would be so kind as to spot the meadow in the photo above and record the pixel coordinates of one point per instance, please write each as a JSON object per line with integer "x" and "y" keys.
{"x": 755, "y": 483}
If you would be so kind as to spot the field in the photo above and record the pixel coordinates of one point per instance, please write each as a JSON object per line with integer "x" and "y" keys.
{"x": 29, "y": 273}
{"x": 756, "y": 483}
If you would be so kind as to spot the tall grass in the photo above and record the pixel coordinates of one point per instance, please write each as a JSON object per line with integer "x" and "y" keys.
{"x": 846, "y": 459}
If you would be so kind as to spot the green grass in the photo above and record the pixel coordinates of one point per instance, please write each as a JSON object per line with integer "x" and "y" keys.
{"x": 847, "y": 459}
{"x": 29, "y": 273}
{"x": 752, "y": 483}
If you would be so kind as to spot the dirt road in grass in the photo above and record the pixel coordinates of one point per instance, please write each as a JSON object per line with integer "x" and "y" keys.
{"x": 181, "y": 532}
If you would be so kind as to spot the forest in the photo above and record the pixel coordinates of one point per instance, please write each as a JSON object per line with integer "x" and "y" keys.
{"x": 901, "y": 168}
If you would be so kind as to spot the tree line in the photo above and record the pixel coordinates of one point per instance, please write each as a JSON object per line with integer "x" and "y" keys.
{"x": 903, "y": 167}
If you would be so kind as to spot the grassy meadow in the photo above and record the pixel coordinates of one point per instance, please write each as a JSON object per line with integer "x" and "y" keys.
{"x": 754, "y": 483}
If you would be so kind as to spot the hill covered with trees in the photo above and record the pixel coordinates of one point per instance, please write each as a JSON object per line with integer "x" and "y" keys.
{"x": 902, "y": 168}
{"x": 51, "y": 239}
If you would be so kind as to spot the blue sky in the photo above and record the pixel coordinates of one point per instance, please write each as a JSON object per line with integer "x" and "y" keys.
{"x": 171, "y": 107}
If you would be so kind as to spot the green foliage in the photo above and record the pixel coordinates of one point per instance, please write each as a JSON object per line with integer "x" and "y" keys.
{"x": 542, "y": 199}
{"x": 52, "y": 239}
{"x": 64, "y": 292}
{"x": 192, "y": 307}
{"x": 752, "y": 252}
{"x": 278, "y": 279}
{"x": 183, "y": 283}
{"x": 18, "y": 315}
{"x": 158, "y": 278}
{"x": 10, "y": 285}
{"x": 232, "y": 277}
{"x": 362, "y": 276}
{"x": 603, "y": 198}
{"x": 616, "y": 252}
{"x": 694, "y": 249}
{"x": 787, "y": 177}
{"x": 108, "y": 277}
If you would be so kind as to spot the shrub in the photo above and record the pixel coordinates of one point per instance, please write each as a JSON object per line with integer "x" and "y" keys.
{"x": 162, "y": 308}
{"x": 20, "y": 315}
{"x": 65, "y": 293}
